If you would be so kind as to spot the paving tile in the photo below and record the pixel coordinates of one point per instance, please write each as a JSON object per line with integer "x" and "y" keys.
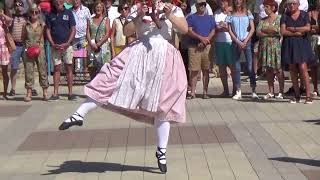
{"x": 14, "y": 163}
{"x": 136, "y": 137}
{"x": 197, "y": 165}
{"x": 123, "y": 137}
{"x": 13, "y": 110}
{"x": 239, "y": 164}
{"x": 312, "y": 174}
{"x": 119, "y": 138}
{"x": 34, "y": 163}
{"x": 223, "y": 134}
{"x": 218, "y": 163}
{"x": 134, "y": 164}
{"x": 113, "y": 164}
{"x": 175, "y": 136}
{"x": 100, "y": 139}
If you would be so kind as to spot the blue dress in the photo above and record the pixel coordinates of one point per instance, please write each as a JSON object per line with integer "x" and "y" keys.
{"x": 296, "y": 49}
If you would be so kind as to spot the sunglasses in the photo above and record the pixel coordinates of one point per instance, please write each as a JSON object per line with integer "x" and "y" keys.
{"x": 19, "y": 4}
{"x": 202, "y": 4}
{"x": 34, "y": 12}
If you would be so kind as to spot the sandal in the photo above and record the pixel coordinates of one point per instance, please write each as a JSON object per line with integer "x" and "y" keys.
{"x": 190, "y": 96}
{"x": 27, "y": 99}
{"x": 205, "y": 96}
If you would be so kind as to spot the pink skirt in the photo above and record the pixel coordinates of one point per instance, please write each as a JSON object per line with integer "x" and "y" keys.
{"x": 165, "y": 87}
{"x": 4, "y": 55}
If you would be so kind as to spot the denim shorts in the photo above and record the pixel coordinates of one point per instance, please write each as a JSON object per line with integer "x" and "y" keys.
{"x": 16, "y": 57}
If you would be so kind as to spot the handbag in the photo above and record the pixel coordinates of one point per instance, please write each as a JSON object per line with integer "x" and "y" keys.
{"x": 33, "y": 51}
{"x": 10, "y": 42}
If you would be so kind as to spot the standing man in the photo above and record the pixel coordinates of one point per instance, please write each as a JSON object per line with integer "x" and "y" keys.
{"x": 81, "y": 15}
{"x": 18, "y": 24}
{"x": 112, "y": 11}
{"x": 201, "y": 31}
{"x": 60, "y": 32}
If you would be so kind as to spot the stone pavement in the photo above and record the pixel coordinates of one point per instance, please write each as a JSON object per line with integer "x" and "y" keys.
{"x": 223, "y": 139}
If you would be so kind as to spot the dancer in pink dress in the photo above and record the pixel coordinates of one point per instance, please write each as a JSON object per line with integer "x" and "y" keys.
{"x": 147, "y": 80}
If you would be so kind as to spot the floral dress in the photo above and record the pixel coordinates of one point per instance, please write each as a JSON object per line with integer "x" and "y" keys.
{"x": 104, "y": 55}
{"x": 4, "y": 52}
{"x": 270, "y": 46}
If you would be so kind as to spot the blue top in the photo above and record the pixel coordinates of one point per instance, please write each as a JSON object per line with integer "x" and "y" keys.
{"x": 60, "y": 24}
{"x": 201, "y": 25}
{"x": 240, "y": 25}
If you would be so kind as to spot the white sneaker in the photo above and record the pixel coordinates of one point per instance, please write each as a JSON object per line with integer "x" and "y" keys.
{"x": 237, "y": 96}
{"x": 280, "y": 96}
{"x": 268, "y": 96}
{"x": 255, "y": 96}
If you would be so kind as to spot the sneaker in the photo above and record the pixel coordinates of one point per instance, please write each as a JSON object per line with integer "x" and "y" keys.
{"x": 268, "y": 96}
{"x": 72, "y": 97}
{"x": 254, "y": 96}
{"x": 12, "y": 93}
{"x": 315, "y": 93}
{"x": 280, "y": 96}
{"x": 34, "y": 92}
{"x": 237, "y": 96}
{"x": 308, "y": 100}
{"x": 295, "y": 100}
{"x": 54, "y": 98}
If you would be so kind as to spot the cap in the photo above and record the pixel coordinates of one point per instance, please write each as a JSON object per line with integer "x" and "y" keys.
{"x": 200, "y": 1}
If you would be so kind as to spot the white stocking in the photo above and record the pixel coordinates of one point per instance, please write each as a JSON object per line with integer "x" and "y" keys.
{"x": 87, "y": 106}
{"x": 163, "y": 131}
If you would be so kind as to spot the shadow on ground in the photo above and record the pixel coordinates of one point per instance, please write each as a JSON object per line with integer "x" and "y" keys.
{"x": 316, "y": 122}
{"x": 96, "y": 167}
{"x": 309, "y": 162}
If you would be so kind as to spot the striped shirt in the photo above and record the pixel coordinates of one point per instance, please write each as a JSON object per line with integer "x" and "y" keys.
{"x": 17, "y": 27}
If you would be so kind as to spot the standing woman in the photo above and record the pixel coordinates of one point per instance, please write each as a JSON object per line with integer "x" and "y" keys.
{"x": 118, "y": 39}
{"x": 223, "y": 46}
{"x": 4, "y": 51}
{"x": 146, "y": 81}
{"x": 296, "y": 48}
{"x": 97, "y": 36}
{"x": 241, "y": 29}
{"x": 315, "y": 41}
{"x": 35, "y": 54}
{"x": 270, "y": 48}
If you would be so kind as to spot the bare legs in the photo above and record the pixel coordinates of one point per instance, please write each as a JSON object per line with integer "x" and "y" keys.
{"x": 5, "y": 81}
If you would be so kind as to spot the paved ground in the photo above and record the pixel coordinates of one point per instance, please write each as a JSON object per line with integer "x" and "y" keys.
{"x": 223, "y": 139}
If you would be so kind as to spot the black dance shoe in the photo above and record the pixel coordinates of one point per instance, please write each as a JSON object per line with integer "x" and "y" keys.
{"x": 161, "y": 156}
{"x": 73, "y": 122}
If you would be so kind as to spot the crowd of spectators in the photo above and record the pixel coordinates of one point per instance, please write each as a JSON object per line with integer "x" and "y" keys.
{"x": 274, "y": 36}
